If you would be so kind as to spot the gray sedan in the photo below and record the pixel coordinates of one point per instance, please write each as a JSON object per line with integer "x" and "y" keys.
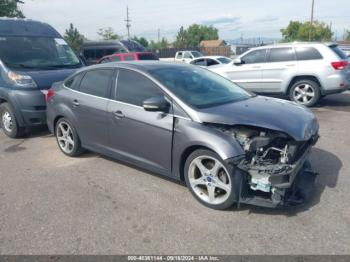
{"x": 190, "y": 124}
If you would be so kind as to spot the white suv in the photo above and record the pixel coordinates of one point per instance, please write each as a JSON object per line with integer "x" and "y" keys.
{"x": 302, "y": 71}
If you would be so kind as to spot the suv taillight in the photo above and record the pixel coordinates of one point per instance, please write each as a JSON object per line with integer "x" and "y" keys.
{"x": 49, "y": 94}
{"x": 340, "y": 65}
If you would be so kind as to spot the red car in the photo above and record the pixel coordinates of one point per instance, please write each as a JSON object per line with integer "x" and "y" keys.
{"x": 127, "y": 57}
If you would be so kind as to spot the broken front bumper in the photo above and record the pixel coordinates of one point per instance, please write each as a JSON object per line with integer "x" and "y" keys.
{"x": 291, "y": 187}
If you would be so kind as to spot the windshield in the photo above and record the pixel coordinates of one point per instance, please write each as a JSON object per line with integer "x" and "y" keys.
{"x": 37, "y": 52}
{"x": 196, "y": 54}
{"x": 199, "y": 87}
{"x": 224, "y": 60}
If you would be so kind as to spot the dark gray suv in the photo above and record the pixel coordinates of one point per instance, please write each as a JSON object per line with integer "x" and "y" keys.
{"x": 190, "y": 124}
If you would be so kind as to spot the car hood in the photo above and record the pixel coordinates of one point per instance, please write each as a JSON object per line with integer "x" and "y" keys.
{"x": 271, "y": 113}
{"x": 44, "y": 79}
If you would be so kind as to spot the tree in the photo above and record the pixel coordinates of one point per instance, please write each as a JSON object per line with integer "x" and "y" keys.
{"x": 158, "y": 45}
{"x": 107, "y": 34}
{"x": 347, "y": 35}
{"x": 143, "y": 41}
{"x": 193, "y": 35}
{"x": 297, "y": 31}
{"x": 9, "y": 8}
{"x": 73, "y": 37}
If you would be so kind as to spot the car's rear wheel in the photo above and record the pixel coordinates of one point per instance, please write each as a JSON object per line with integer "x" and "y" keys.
{"x": 305, "y": 92}
{"x": 67, "y": 138}
{"x": 209, "y": 179}
{"x": 9, "y": 122}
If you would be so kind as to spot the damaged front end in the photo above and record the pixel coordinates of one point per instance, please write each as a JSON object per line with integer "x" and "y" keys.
{"x": 274, "y": 170}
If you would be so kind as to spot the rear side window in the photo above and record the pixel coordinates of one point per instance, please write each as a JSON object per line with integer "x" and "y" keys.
{"x": 257, "y": 56}
{"x": 200, "y": 62}
{"x": 307, "y": 53}
{"x": 211, "y": 62}
{"x": 96, "y": 82}
{"x": 179, "y": 55}
{"x": 339, "y": 52}
{"x": 281, "y": 55}
{"x": 73, "y": 82}
{"x": 134, "y": 88}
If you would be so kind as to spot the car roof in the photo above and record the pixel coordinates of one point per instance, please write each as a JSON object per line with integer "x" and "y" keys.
{"x": 26, "y": 27}
{"x": 290, "y": 44}
{"x": 211, "y": 56}
{"x": 142, "y": 65}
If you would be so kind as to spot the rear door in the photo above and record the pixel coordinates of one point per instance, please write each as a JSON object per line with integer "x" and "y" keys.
{"x": 136, "y": 135}
{"x": 90, "y": 106}
{"x": 248, "y": 74}
{"x": 281, "y": 64}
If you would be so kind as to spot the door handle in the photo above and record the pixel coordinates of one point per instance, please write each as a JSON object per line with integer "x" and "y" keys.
{"x": 75, "y": 102}
{"x": 118, "y": 114}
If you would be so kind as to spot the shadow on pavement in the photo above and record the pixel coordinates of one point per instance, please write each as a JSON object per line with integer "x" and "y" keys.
{"x": 338, "y": 102}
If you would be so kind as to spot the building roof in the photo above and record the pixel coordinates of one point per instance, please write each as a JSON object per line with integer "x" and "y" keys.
{"x": 212, "y": 43}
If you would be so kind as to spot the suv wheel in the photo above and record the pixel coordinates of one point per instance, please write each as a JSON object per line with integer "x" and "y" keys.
{"x": 9, "y": 122}
{"x": 209, "y": 179}
{"x": 305, "y": 92}
{"x": 67, "y": 138}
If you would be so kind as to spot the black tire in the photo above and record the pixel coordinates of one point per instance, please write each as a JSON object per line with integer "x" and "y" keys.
{"x": 15, "y": 131}
{"x": 231, "y": 199}
{"x": 76, "y": 149}
{"x": 312, "y": 85}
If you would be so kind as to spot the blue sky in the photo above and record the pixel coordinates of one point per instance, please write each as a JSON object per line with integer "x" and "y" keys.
{"x": 233, "y": 18}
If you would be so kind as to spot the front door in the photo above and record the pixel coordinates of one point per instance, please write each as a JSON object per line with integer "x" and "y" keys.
{"x": 248, "y": 74}
{"x": 140, "y": 136}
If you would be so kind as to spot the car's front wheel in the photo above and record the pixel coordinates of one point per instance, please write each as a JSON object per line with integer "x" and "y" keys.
{"x": 9, "y": 122}
{"x": 209, "y": 179}
{"x": 67, "y": 138}
{"x": 305, "y": 92}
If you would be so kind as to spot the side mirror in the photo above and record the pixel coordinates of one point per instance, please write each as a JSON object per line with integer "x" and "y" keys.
{"x": 156, "y": 104}
{"x": 238, "y": 61}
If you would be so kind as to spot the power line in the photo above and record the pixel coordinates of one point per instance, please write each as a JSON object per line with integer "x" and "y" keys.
{"x": 128, "y": 21}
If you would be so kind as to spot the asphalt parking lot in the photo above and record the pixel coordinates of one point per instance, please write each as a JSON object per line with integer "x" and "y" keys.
{"x": 52, "y": 204}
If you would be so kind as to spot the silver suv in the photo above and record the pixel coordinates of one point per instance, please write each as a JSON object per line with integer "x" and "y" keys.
{"x": 304, "y": 72}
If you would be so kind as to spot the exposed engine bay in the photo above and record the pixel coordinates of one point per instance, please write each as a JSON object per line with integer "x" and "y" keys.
{"x": 271, "y": 162}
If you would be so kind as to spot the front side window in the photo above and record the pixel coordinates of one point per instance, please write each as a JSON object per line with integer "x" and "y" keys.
{"x": 134, "y": 88}
{"x": 37, "y": 52}
{"x": 281, "y": 54}
{"x": 199, "y": 87}
{"x": 96, "y": 82}
{"x": 196, "y": 54}
{"x": 257, "y": 56}
{"x": 187, "y": 55}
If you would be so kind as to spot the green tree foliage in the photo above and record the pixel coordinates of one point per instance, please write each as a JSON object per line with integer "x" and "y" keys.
{"x": 158, "y": 45}
{"x": 73, "y": 37}
{"x": 347, "y": 35}
{"x": 9, "y": 8}
{"x": 143, "y": 41}
{"x": 107, "y": 34}
{"x": 298, "y": 31}
{"x": 193, "y": 35}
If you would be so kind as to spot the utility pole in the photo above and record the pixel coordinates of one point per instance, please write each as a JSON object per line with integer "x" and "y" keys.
{"x": 312, "y": 18}
{"x": 128, "y": 21}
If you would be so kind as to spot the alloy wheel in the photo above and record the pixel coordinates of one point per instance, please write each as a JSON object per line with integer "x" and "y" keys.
{"x": 209, "y": 180}
{"x": 303, "y": 93}
{"x": 65, "y": 137}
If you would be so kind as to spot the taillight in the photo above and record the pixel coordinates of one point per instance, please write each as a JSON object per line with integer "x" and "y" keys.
{"x": 340, "y": 65}
{"x": 49, "y": 94}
